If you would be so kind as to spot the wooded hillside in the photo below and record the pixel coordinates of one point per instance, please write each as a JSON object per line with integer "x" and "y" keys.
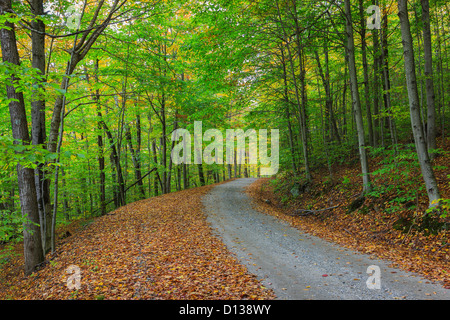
{"x": 92, "y": 91}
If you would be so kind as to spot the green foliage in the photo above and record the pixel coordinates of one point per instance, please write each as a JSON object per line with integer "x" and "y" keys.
{"x": 444, "y": 207}
{"x": 29, "y": 156}
{"x": 397, "y": 176}
{"x": 11, "y": 232}
{"x": 11, "y": 226}
{"x": 8, "y": 17}
{"x": 346, "y": 181}
{"x": 223, "y": 62}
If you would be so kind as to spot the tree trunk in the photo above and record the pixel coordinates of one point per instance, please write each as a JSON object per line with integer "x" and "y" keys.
{"x": 300, "y": 103}
{"x": 155, "y": 160}
{"x": 201, "y": 176}
{"x": 185, "y": 176}
{"x": 356, "y": 101}
{"x": 302, "y": 111}
{"x": 414, "y": 105}
{"x": 116, "y": 161}
{"x": 169, "y": 170}
{"x": 136, "y": 163}
{"x": 65, "y": 200}
{"x": 344, "y": 99}
{"x": 38, "y": 134}
{"x": 428, "y": 69}
{"x": 376, "y": 83}
{"x": 329, "y": 99}
{"x": 287, "y": 103}
{"x": 32, "y": 242}
{"x": 324, "y": 140}
{"x": 100, "y": 144}
{"x": 158, "y": 176}
{"x": 367, "y": 99}
{"x": 441, "y": 98}
{"x": 386, "y": 78}
{"x": 101, "y": 148}
{"x": 138, "y": 153}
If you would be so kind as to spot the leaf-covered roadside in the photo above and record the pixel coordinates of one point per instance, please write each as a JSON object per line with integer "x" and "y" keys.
{"x": 370, "y": 229}
{"x": 158, "y": 248}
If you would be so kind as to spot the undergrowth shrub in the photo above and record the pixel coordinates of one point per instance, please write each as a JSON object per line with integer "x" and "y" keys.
{"x": 399, "y": 183}
{"x": 397, "y": 178}
{"x": 11, "y": 233}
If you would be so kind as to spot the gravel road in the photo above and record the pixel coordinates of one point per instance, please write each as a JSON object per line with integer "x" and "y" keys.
{"x": 299, "y": 266}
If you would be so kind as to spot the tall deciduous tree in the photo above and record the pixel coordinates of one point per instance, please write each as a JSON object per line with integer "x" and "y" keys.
{"x": 414, "y": 105}
{"x": 38, "y": 131}
{"x": 33, "y": 252}
{"x": 300, "y": 95}
{"x": 355, "y": 98}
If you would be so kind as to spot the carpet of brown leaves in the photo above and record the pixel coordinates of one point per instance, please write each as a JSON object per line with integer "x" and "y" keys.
{"x": 370, "y": 232}
{"x": 159, "y": 248}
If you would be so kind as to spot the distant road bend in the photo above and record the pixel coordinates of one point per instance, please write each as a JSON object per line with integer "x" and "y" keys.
{"x": 297, "y": 265}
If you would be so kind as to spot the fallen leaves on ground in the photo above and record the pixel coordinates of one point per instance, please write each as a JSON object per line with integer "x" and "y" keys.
{"x": 370, "y": 232}
{"x": 159, "y": 248}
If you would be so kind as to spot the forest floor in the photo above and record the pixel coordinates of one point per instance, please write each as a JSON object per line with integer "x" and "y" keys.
{"x": 164, "y": 248}
{"x": 159, "y": 248}
{"x": 369, "y": 229}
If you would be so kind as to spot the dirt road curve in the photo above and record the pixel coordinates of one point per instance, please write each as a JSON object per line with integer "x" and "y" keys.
{"x": 299, "y": 266}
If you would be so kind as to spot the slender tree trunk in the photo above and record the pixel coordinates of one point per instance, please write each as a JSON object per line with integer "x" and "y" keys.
{"x": 334, "y": 127}
{"x": 32, "y": 241}
{"x": 324, "y": 140}
{"x": 158, "y": 176}
{"x": 287, "y": 103}
{"x": 329, "y": 99}
{"x": 356, "y": 101}
{"x": 138, "y": 153}
{"x": 201, "y": 176}
{"x": 344, "y": 99}
{"x": 155, "y": 160}
{"x": 302, "y": 121}
{"x": 303, "y": 114}
{"x": 185, "y": 176}
{"x": 178, "y": 178}
{"x": 116, "y": 161}
{"x": 414, "y": 105}
{"x": 38, "y": 134}
{"x": 386, "y": 78}
{"x": 116, "y": 193}
{"x": 428, "y": 69}
{"x": 376, "y": 83}
{"x": 65, "y": 86}
{"x": 101, "y": 148}
{"x": 163, "y": 143}
{"x": 100, "y": 144}
{"x": 442, "y": 98}
{"x": 367, "y": 98}
{"x": 169, "y": 170}
{"x": 136, "y": 163}
{"x": 65, "y": 201}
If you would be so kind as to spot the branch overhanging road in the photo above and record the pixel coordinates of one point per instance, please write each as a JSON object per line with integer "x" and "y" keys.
{"x": 300, "y": 266}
